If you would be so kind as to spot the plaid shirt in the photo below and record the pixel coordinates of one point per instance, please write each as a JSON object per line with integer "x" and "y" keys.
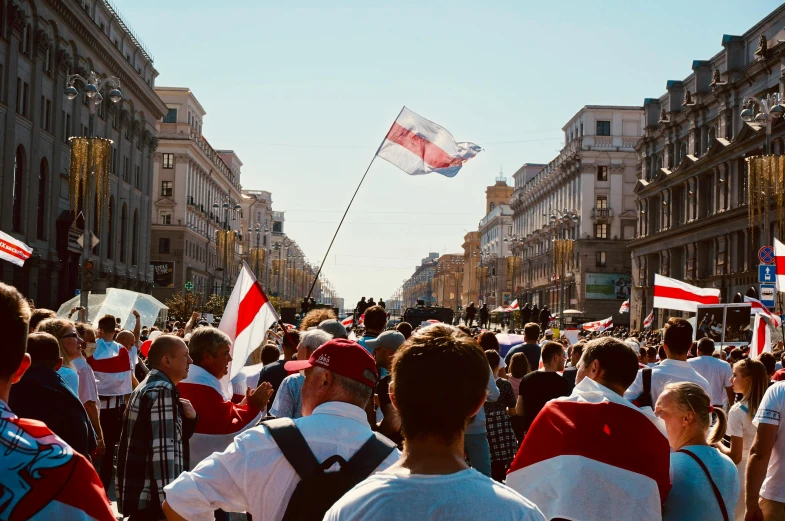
{"x": 153, "y": 445}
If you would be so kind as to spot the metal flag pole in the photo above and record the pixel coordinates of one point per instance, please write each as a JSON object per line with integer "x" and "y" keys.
{"x": 319, "y": 271}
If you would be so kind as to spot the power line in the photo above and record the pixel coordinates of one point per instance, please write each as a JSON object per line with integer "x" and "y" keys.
{"x": 339, "y": 147}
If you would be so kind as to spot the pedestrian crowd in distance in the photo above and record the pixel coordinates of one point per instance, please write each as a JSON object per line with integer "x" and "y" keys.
{"x": 328, "y": 423}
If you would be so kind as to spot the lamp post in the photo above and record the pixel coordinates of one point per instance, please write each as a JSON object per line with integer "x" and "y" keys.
{"x": 258, "y": 229}
{"x": 228, "y": 211}
{"x": 92, "y": 89}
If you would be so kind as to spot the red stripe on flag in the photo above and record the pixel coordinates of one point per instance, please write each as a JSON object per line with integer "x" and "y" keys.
{"x": 779, "y": 265}
{"x": 761, "y": 335}
{"x": 681, "y": 294}
{"x": 13, "y": 251}
{"x": 249, "y": 307}
{"x": 433, "y": 156}
{"x": 117, "y": 364}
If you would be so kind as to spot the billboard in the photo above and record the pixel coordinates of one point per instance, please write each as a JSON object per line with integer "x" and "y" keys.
{"x": 163, "y": 274}
{"x": 608, "y": 286}
{"x": 726, "y": 324}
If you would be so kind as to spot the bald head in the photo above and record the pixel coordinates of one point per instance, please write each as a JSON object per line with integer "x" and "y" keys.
{"x": 125, "y": 338}
{"x": 163, "y": 345}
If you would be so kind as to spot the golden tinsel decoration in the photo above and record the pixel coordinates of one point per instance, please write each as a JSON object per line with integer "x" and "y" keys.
{"x": 563, "y": 252}
{"x": 225, "y": 239}
{"x": 257, "y": 257}
{"x": 765, "y": 176}
{"x": 90, "y": 157}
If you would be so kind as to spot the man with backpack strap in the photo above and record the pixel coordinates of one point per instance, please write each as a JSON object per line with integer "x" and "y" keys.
{"x": 277, "y": 470}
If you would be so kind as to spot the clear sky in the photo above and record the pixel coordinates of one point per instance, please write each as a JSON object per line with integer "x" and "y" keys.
{"x": 305, "y": 92}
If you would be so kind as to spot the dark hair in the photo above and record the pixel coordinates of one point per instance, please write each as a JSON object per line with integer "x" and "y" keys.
{"x": 769, "y": 362}
{"x": 375, "y": 318}
{"x": 578, "y": 347}
{"x": 289, "y": 336}
{"x": 429, "y": 403}
{"x": 466, "y": 330}
{"x": 44, "y": 350}
{"x": 652, "y": 352}
{"x": 162, "y": 345}
{"x": 270, "y": 354}
{"x": 206, "y": 340}
{"x": 38, "y": 315}
{"x": 15, "y": 317}
{"x": 706, "y": 346}
{"x": 531, "y": 331}
{"x": 107, "y": 324}
{"x": 405, "y": 329}
{"x": 618, "y": 360}
{"x": 488, "y": 340}
{"x": 493, "y": 358}
{"x": 315, "y": 317}
{"x": 519, "y": 365}
{"x": 678, "y": 335}
{"x": 550, "y": 350}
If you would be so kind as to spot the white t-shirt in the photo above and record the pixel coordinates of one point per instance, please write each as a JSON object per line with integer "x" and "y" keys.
{"x": 463, "y": 496}
{"x": 667, "y": 371}
{"x": 717, "y": 372}
{"x": 771, "y": 410}
{"x": 88, "y": 387}
{"x": 71, "y": 378}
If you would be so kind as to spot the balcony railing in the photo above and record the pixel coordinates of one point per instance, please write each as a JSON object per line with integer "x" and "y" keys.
{"x": 601, "y": 213}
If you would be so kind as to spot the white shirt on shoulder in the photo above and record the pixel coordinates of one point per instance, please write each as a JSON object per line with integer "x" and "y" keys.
{"x": 252, "y": 475}
{"x": 771, "y": 411}
{"x": 462, "y": 496}
{"x": 717, "y": 372}
{"x": 668, "y": 371}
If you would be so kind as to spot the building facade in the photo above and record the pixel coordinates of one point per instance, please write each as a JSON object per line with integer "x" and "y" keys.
{"x": 41, "y": 42}
{"x": 495, "y": 229}
{"x": 471, "y": 269}
{"x": 693, "y": 192}
{"x": 191, "y": 177}
{"x": 257, "y": 225}
{"x": 420, "y": 285}
{"x": 585, "y": 195}
{"x": 448, "y": 280}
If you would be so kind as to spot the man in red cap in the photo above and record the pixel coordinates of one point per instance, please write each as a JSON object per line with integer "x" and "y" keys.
{"x": 252, "y": 476}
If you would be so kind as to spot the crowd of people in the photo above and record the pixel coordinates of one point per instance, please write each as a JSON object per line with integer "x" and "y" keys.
{"x": 426, "y": 421}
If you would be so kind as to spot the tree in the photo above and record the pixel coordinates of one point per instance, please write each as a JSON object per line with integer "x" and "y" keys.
{"x": 215, "y": 305}
{"x": 182, "y": 305}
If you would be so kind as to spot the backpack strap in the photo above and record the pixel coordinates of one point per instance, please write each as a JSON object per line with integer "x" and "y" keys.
{"x": 293, "y": 446}
{"x": 369, "y": 456}
{"x": 717, "y": 494}
{"x": 647, "y": 385}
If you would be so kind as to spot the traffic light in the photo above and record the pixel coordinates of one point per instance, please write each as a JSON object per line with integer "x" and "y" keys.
{"x": 87, "y": 274}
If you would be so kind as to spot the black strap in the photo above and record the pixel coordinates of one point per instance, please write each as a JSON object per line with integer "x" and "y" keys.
{"x": 371, "y": 455}
{"x": 293, "y": 446}
{"x": 647, "y": 386}
{"x": 713, "y": 485}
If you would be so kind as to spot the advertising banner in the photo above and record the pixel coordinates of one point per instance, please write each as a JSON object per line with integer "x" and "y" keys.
{"x": 163, "y": 274}
{"x": 608, "y": 286}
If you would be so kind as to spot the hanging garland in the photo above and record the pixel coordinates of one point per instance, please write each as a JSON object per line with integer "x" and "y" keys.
{"x": 90, "y": 157}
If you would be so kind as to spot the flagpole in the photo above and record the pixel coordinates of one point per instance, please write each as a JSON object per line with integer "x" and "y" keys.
{"x": 319, "y": 271}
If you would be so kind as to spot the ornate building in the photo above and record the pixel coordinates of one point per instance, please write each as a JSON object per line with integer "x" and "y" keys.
{"x": 583, "y": 203}
{"x": 41, "y": 41}
{"x": 472, "y": 270}
{"x": 692, "y": 193}
{"x": 420, "y": 285}
{"x": 495, "y": 229}
{"x": 448, "y": 280}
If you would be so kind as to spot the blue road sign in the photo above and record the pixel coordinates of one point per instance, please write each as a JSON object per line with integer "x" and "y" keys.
{"x": 766, "y": 273}
{"x": 767, "y": 293}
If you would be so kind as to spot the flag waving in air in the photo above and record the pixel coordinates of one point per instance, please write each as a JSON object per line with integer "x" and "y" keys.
{"x": 13, "y": 250}
{"x": 246, "y": 319}
{"x": 648, "y": 320}
{"x": 348, "y": 321}
{"x": 598, "y": 326}
{"x": 419, "y": 146}
{"x": 756, "y": 306}
{"x": 779, "y": 260}
{"x": 761, "y": 337}
{"x": 625, "y": 307}
{"x": 674, "y": 294}
{"x": 513, "y": 306}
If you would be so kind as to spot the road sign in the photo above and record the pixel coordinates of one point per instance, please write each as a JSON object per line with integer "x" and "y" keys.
{"x": 78, "y": 292}
{"x": 189, "y": 286}
{"x": 767, "y": 295}
{"x": 766, "y": 255}
{"x": 765, "y": 273}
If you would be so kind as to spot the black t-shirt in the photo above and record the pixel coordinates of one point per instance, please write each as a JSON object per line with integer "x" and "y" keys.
{"x": 273, "y": 373}
{"x": 538, "y": 388}
{"x": 532, "y": 352}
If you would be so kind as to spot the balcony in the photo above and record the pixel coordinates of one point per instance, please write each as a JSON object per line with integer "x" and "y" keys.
{"x": 601, "y": 213}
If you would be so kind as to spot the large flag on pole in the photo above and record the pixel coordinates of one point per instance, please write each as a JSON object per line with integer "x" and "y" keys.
{"x": 14, "y": 250}
{"x": 648, "y": 320}
{"x": 419, "y": 146}
{"x": 598, "y": 326}
{"x": 246, "y": 319}
{"x": 761, "y": 337}
{"x": 674, "y": 294}
{"x": 779, "y": 260}
{"x": 756, "y": 306}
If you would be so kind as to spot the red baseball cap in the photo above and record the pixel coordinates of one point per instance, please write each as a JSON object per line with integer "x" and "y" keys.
{"x": 341, "y": 356}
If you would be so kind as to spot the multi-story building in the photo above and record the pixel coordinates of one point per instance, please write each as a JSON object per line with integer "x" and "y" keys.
{"x": 471, "y": 268}
{"x": 41, "y": 42}
{"x": 495, "y": 229}
{"x": 693, "y": 189}
{"x": 257, "y": 226}
{"x": 196, "y": 193}
{"x": 420, "y": 285}
{"x": 585, "y": 195}
{"x": 448, "y": 280}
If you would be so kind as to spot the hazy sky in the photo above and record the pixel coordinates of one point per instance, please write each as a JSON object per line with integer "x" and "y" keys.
{"x": 305, "y": 92}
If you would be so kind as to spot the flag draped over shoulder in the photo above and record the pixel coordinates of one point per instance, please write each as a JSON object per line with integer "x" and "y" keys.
{"x": 674, "y": 294}
{"x": 582, "y": 459}
{"x": 419, "y": 146}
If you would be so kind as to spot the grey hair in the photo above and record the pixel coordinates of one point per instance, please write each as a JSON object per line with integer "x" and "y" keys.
{"x": 314, "y": 339}
{"x": 207, "y": 340}
{"x": 351, "y": 391}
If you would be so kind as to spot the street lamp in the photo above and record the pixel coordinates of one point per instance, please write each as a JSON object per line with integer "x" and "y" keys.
{"x": 771, "y": 108}
{"x": 92, "y": 88}
{"x": 228, "y": 240}
{"x": 258, "y": 254}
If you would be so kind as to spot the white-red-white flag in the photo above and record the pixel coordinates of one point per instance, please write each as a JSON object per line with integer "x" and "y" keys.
{"x": 348, "y": 321}
{"x": 648, "y": 320}
{"x": 598, "y": 326}
{"x": 756, "y": 306}
{"x": 594, "y": 436}
{"x": 513, "y": 305}
{"x": 419, "y": 146}
{"x": 761, "y": 337}
{"x": 674, "y": 294}
{"x": 625, "y": 307}
{"x": 779, "y": 262}
{"x": 246, "y": 319}
{"x": 14, "y": 250}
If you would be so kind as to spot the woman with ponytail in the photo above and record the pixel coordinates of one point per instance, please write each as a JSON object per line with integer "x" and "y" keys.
{"x": 705, "y": 482}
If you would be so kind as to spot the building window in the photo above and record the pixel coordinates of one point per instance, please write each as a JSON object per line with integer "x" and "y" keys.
{"x": 603, "y": 128}
{"x": 39, "y": 232}
{"x": 48, "y": 116}
{"x": 163, "y": 245}
{"x": 18, "y": 181}
{"x": 602, "y": 202}
{"x": 602, "y": 173}
{"x": 109, "y": 228}
{"x": 171, "y": 116}
{"x": 123, "y": 227}
{"x": 601, "y": 231}
{"x": 135, "y": 238}
{"x": 166, "y": 188}
{"x": 600, "y": 259}
{"x": 168, "y": 161}
{"x": 137, "y": 177}
{"x": 165, "y": 217}
{"x": 126, "y": 167}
